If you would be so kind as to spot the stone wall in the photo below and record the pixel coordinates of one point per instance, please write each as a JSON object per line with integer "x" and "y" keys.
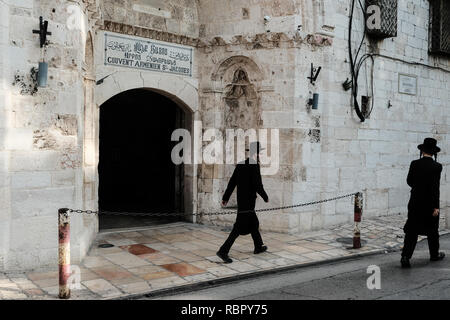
{"x": 41, "y": 134}
{"x": 325, "y": 152}
{"x": 172, "y": 16}
{"x": 49, "y": 136}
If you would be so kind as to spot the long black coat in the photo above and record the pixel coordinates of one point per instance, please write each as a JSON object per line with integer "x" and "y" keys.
{"x": 247, "y": 178}
{"x": 424, "y": 178}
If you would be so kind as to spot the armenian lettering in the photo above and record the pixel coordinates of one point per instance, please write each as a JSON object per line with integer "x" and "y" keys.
{"x": 147, "y": 54}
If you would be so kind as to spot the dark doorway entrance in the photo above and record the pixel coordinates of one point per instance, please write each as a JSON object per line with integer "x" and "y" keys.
{"x": 136, "y": 173}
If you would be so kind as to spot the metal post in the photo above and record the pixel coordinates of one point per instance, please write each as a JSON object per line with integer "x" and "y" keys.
{"x": 64, "y": 252}
{"x": 357, "y": 219}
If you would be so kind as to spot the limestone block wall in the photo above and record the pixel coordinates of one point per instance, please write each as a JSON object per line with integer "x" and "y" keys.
{"x": 237, "y": 37}
{"x": 174, "y": 22}
{"x": 172, "y": 16}
{"x": 41, "y": 134}
{"x": 5, "y": 206}
{"x": 49, "y": 136}
{"x": 325, "y": 152}
{"x": 380, "y": 150}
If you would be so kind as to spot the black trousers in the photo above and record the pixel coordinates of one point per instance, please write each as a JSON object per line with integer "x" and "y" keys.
{"x": 411, "y": 241}
{"x": 256, "y": 236}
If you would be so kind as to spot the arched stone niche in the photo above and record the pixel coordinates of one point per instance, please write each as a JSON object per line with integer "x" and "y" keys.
{"x": 239, "y": 79}
{"x": 226, "y": 69}
{"x": 241, "y": 103}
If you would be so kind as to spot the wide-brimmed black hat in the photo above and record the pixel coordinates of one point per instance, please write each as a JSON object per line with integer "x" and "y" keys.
{"x": 255, "y": 147}
{"x": 429, "y": 145}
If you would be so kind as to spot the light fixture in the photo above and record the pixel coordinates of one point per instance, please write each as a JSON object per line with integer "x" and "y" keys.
{"x": 42, "y": 74}
{"x": 314, "y": 101}
{"x": 43, "y": 66}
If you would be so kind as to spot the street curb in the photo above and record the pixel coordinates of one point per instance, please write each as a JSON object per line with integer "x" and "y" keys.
{"x": 217, "y": 282}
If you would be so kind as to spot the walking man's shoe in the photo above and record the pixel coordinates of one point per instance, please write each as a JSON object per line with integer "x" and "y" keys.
{"x": 260, "y": 249}
{"x": 224, "y": 257}
{"x": 405, "y": 262}
{"x": 440, "y": 256}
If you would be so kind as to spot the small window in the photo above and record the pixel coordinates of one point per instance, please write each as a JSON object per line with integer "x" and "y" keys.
{"x": 439, "y": 37}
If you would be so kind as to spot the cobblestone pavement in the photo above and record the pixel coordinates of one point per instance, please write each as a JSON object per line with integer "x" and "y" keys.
{"x": 182, "y": 253}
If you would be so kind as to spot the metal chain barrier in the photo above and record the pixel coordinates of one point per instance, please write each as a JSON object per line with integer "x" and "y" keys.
{"x": 172, "y": 214}
{"x": 64, "y": 230}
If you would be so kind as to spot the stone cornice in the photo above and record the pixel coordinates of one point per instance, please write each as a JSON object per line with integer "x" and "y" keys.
{"x": 148, "y": 33}
{"x": 258, "y": 41}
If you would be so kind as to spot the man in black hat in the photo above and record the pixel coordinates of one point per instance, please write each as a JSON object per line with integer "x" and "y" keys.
{"x": 423, "y": 207}
{"x": 247, "y": 178}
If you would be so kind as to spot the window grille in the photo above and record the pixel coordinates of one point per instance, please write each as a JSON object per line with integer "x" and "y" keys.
{"x": 388, "y": 11}
{"x": 439, "y": 28}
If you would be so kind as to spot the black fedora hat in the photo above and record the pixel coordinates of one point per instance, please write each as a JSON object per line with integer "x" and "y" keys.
{"x": 429, "y": 145}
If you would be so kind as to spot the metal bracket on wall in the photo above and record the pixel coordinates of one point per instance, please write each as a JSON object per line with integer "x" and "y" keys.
{"x": 42, "y": 31}
{"x": 314, "y": 74}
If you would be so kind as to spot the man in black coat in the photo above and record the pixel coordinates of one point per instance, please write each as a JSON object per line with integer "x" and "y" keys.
{"x": 423, "y": 208}
{"x": 247, "y": 178}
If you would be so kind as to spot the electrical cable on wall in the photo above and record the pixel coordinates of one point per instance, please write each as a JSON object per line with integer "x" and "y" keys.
{"x": 355, "y": 64}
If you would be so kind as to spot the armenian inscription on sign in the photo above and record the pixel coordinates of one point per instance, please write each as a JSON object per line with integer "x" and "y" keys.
{"x": 147, "y": 54}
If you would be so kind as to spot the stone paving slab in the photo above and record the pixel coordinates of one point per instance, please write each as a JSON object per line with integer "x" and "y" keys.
{"x": 179, "y": 254}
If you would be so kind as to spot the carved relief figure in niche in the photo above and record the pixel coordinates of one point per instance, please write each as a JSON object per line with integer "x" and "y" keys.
{"x": 241, "y": 103}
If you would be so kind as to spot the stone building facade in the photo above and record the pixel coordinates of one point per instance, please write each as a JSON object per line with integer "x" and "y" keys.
{"x": 49, "y": 136}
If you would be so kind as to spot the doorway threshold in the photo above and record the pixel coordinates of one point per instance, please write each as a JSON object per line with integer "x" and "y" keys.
{"x": 130, "y": 229}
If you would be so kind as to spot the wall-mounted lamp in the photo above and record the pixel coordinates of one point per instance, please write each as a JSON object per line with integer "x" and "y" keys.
{"x": 43, "y": 66}
{"x": 42, "y": 74}
{"x": 314, "y": 101}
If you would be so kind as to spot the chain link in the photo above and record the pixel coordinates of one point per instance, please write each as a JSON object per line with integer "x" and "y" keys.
{"x": 173, "y": 214}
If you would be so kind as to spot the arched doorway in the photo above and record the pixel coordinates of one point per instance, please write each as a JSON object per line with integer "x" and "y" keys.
{"x": 135, "y": 170}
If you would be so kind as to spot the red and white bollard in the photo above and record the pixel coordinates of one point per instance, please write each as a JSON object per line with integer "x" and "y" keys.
{"x": 64, "y": 252}
{"x": 357, "y": 219}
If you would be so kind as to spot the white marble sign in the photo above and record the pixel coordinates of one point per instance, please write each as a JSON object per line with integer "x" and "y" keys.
{"x": 147, "y": 54}
{"x": 407, "y": 84}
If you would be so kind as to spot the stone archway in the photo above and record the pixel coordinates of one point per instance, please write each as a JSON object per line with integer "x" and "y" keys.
{"x": 182, "y": 91}
{"x": 135, "y": 169}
